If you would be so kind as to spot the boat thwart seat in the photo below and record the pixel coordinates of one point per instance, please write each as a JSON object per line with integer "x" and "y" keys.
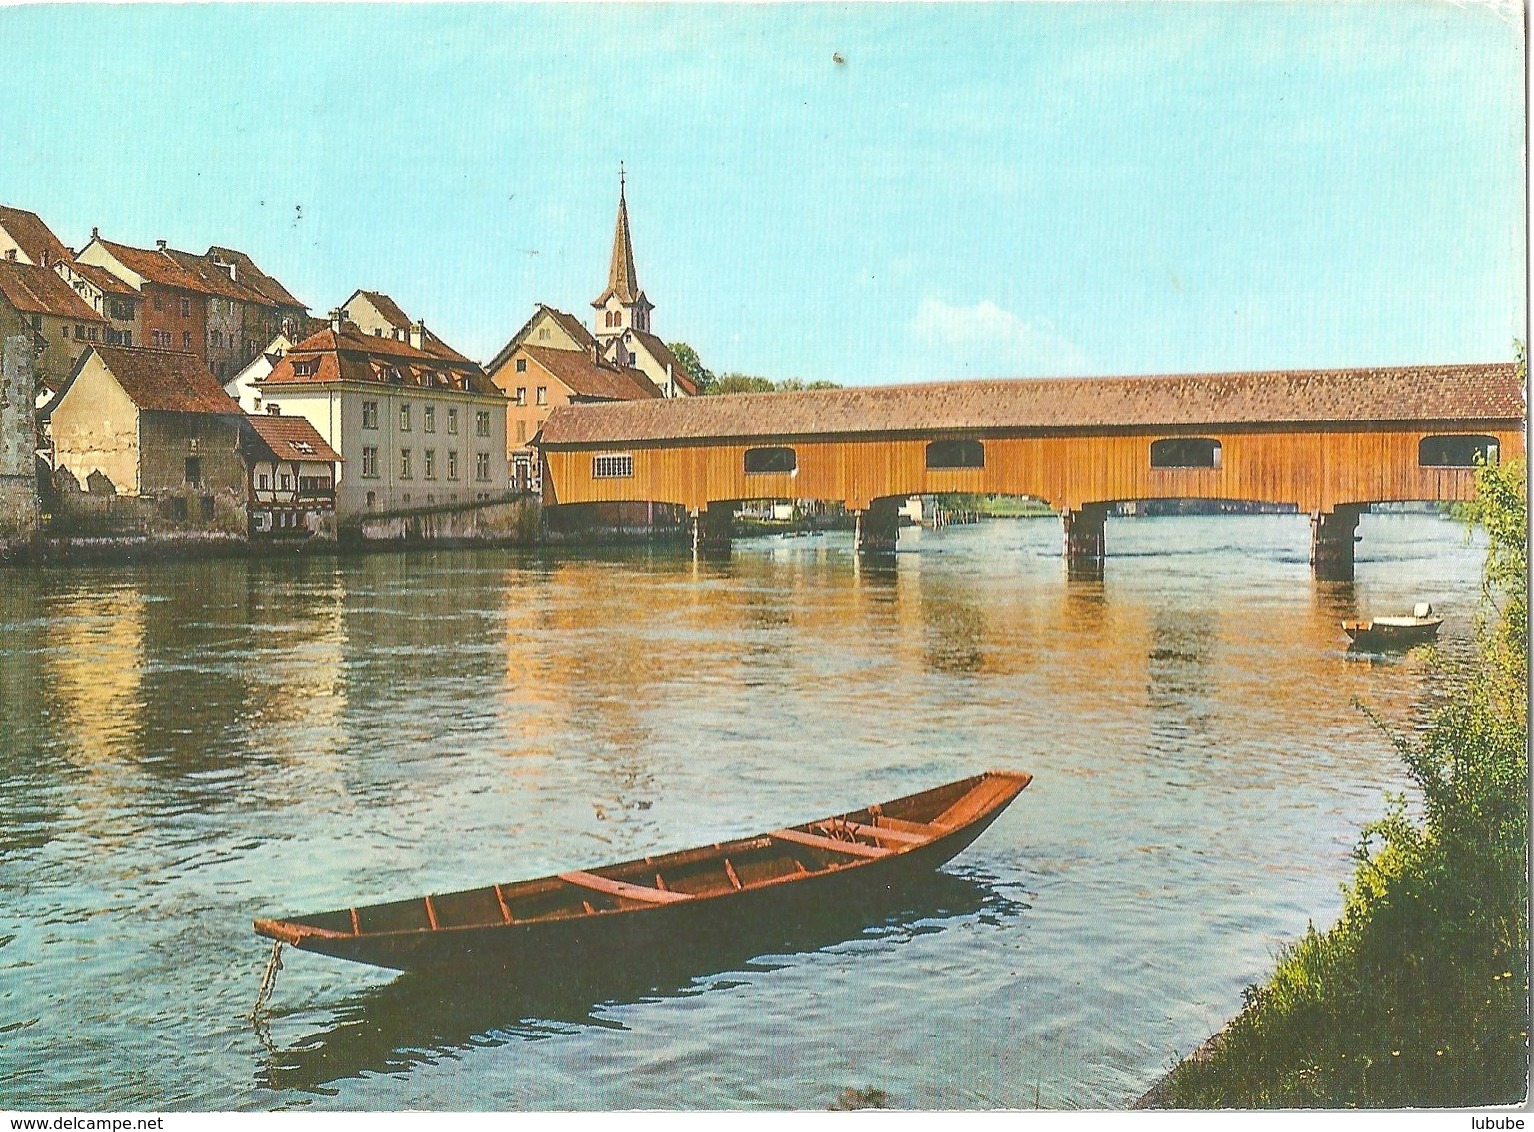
{"x": 831, "y": 844}
{"x": 624, "y": 889}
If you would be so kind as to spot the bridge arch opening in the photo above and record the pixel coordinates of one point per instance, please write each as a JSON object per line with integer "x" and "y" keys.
{"x": 1186, "y": 452}
{"x": 1456, "y": 451}
{"x": 955, "y": 454}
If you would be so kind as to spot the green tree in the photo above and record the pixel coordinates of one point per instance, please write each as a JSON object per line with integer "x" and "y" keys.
{"x": 701, "y": 375}
{"x": 750, "y": 383}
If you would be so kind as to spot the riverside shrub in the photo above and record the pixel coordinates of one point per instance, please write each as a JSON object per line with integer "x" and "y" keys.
{"x": 1419, "y": 994}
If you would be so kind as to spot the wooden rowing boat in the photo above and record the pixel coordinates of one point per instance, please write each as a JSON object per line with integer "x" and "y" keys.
{"x": 709, "y": 895}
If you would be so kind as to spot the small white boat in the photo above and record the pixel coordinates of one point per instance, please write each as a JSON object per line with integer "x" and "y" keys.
{"x": 1395, "y": 632}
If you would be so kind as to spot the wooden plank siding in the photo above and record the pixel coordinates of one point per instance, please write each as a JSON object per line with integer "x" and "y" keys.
{"x": 1315, "y": 468}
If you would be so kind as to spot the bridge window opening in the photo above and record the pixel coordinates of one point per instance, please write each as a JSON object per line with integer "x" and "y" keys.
{"x": 1456, "y": 451}
{"x": 770, "y": 461}
{"x": 615, "y": 466}
{"x": 956, "y": 454}
{"x": 1185, "y": 452}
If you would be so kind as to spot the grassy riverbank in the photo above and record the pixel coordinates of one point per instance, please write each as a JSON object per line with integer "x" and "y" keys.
{"x": 1419, "y": 995}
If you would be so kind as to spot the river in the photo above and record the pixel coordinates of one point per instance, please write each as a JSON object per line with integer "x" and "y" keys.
{"x": 186, "y": 746}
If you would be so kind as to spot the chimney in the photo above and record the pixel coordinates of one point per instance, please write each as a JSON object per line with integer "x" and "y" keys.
{"x": 160, "y": 244}
{"x": 95, "y": 233}
{"x": 335, "y": 319}
{"x": 418, "y": 335}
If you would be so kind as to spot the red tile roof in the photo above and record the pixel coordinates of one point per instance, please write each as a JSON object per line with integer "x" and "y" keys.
{"x": 283, "y": 437}
{"x": 41, "y": 290}
{"x": 586, "y": 377}
{"x": 571, "y": 325}
{"x": 1490, "y": 392}
{"x": 152, "y": 266}
{"x": 247, "y": 273}
{"x": 102, "y": 279}
{"x": 213, "y": 279}
{"x": 352, "y": 355}
{"x": 395, "y": 316}
{"x": 162, "y": 380}
{"x": 33, "y": 237}
{"x": 388, "y": 309}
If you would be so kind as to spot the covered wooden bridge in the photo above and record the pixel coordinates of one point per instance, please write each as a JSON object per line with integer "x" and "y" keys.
{"x": 1329, "y": 442}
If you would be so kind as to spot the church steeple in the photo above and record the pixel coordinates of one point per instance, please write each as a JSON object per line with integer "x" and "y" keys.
{"x": 623, "y": 305}
{"x": 622, "y": 279}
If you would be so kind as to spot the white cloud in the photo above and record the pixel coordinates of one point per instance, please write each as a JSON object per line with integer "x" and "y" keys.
{"x": 986, "y": 341}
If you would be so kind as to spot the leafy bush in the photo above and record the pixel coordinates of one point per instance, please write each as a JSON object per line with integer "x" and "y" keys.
{"x": 1419, "y": 995}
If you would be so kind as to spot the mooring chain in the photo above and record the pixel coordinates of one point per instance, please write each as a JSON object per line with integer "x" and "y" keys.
{"x": 268, "y": 980}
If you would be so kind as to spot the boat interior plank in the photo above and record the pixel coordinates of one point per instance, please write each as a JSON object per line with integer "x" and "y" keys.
{"x": 830, "y": 844}
{"x": 623, "y": 888}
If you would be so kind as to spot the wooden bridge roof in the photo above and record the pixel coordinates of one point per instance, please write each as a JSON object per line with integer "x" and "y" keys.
{"x": 1482, "y": 392}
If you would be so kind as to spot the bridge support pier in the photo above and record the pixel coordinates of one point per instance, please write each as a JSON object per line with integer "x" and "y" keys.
{"x": 1085, "y": 542}
{"x": 1331, "y": 542}
{"x": 712, "y": 527}
{"x": 878, "y": 529}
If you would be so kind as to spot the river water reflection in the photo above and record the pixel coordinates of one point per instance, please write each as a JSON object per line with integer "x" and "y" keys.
{"x": 186, "y": 746}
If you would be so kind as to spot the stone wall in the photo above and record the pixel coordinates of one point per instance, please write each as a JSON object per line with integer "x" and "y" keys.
{"x": 18, "y": 431}
{"x": 513, "y": 521}
{"x": 606, "y": 523}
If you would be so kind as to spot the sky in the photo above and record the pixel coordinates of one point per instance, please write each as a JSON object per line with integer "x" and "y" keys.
{"x": 862, "y": 193}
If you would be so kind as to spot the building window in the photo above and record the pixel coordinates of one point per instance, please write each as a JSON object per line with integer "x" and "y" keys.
{"x": 207, "y": 507}
{"x": 1456, "y": 451}
{"x": 521, "y": 432}
{"x": 521, "y": 365}
{"x": 452, "y": 464}
{"x": 770, "y": 461}
{"x": 193, "y": 471}
{"x": 178, "y": 507}
{"x": 614, "y": 466}
{"x": 265, "y": 482}
{"x": 519, "y": 398}
{"x": 287, "y": 481}
{"x": 404, "y": 463}
{"x": 159, "y": 301}
{"x": 160, "y": 338}
{"x": 369, "y": 414}
{"x": 452, "y": 422}
{"x": 1185, "y": 452}
{"x": 186, "y": 308}
{"x": 429, "y": 418}
{"x": 482, "y": 423}
{"x": 64, "y": 330}
{"x": 543, "y": 395}
{"x": 956, "y": 454}
{"x": 404, "y": 418}
{"x": 372, "y": 495}
{"x": 482, "y": 467}
{"x": 370, "y": 463}
{"x": 543, "y": 333}
{"x": 186, "y": 339}
{"x": 429, "y": 467}
{"x": 216, "y": 337}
